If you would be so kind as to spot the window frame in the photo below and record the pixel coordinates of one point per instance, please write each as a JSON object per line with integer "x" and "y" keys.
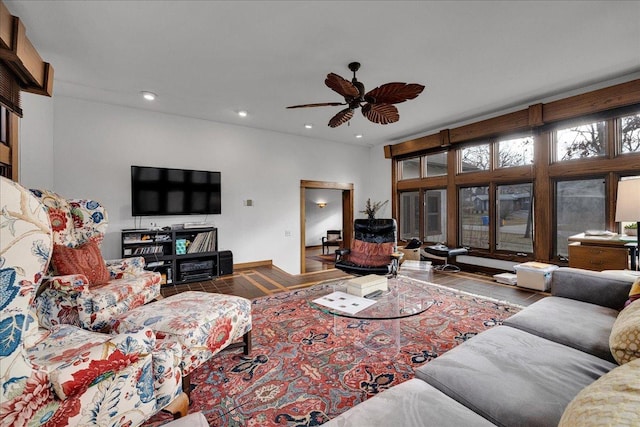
{"x": 608, "y": 104}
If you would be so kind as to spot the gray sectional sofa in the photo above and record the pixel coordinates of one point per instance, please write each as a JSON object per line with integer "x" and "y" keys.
{"x": 522, "y": 373}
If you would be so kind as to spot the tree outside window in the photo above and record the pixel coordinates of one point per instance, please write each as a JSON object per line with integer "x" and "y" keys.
{"x": 580, "y": 142}
{"x": 630, "y": 134}
{"x": 476, "y": 158}
{"x": 515, "y": 152}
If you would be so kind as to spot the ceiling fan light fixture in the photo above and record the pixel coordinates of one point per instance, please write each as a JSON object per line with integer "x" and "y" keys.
{"x": 149, "y": 96}
{"x": 376, "y": 105}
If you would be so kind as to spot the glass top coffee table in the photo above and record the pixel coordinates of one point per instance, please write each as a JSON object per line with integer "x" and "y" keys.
{"x": 404, "y": 298}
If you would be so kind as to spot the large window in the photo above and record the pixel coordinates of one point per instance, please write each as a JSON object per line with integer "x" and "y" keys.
{"x": 409, "y": 215}
{"x": 580, "y": 205}
{"x": 523, "y": 182}
{"x": 474, "y": 217}
{"x": 515, "y": 152}
{"x": 580, "y": 142}
{"x": 515, "y": 218}
{"x": 435, "y": 164}
{"x": 475, "y": 158}
{"x": 434, "y": 205}
{"x": 435, "y": 220}
{"x": 410, "y": 168}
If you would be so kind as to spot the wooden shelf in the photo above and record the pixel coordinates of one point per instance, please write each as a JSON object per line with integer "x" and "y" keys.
{"x": 175, "y": 269}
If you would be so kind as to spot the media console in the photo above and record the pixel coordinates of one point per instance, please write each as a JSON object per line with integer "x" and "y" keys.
{"x": 180, "y": 255}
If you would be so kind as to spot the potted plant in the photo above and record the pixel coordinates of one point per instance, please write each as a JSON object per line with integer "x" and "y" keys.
{"x": 370, "y": 209}
{"x": 631, "y": 229}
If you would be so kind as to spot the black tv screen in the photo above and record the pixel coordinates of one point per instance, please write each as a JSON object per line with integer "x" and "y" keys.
{"x": 164, "y": 191}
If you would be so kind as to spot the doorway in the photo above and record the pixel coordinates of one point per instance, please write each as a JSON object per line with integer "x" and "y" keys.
{"x": 346, "y": 200}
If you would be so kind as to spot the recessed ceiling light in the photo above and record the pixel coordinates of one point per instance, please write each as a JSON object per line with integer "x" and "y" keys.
{"x": 242, "y": 113}
{"x": 308, "y": 126}
{"x": 358, "y": 135}
{"x": 149, "y": 96}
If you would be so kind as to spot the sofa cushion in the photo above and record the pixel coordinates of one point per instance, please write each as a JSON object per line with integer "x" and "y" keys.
{"x": 512, "y": 377}
{"x": 409, "y": 404}
{"x": 85, "y": 259}
{"x": 612, "y": 400}
{"x": 605, "y": 289}
{"x": 566, "y": 321}
{"x": 625, "y": 335}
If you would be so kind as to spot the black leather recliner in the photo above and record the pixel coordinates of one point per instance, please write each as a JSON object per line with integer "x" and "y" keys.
{"x": 373, "y": 249}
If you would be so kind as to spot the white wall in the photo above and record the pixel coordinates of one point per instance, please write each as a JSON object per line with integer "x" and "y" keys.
{"x": 319, "y": 220}
{"x": 36, "y": 141}
{"x": 95, "y": 144}
{"x": 377, "y": 184}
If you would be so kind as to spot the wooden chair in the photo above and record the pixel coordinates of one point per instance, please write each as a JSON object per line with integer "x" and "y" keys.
{"x": 333, "y": 238}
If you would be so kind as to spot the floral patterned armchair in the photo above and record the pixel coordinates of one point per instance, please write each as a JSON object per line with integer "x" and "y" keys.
{"x": 72, "y": 297}
{"x": 67, "y": 375}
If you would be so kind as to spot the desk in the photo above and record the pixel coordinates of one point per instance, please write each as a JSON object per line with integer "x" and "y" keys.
{"x": 602, "y": 252}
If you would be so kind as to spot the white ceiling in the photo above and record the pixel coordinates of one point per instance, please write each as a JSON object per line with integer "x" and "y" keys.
{"x": 209, "y": 59}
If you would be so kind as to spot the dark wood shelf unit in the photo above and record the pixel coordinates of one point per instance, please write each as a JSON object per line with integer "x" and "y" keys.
{"x": 180, "y": 255}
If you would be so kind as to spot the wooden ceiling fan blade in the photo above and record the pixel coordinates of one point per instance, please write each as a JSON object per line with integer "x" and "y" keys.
{"x": 340, "y": 118}
{"x": 394, "y": 93}
{"x": 320, "y": 104}
{"x": 342, "y": 86}
{"x": 381, "y": 113}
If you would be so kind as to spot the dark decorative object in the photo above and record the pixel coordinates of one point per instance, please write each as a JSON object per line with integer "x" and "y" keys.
{"x": 370, "y": 209}
{"x": 373, "y": 248}
{"x": 376, "y": 104}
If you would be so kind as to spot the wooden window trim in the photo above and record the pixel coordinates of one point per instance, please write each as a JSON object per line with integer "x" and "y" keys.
{"x": 610, "y": 98}
{"x": 541, "y": 120}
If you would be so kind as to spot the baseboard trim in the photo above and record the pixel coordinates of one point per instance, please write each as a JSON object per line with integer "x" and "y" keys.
{"x": 253, "y": 264}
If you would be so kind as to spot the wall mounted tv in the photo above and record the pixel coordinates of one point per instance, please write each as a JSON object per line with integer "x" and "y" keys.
{"x": 164, "y": 191}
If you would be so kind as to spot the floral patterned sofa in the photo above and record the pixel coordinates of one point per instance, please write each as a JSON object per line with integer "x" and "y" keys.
{"x": 68, "y": 375}
{"x": 93, "y": 297}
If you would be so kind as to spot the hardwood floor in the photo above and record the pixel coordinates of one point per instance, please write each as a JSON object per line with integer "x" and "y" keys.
{"x": 264, "y": 280}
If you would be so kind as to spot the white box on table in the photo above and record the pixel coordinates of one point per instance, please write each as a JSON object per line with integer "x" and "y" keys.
{"x": 534, "y": 275}
{"x": 364, "y": 285}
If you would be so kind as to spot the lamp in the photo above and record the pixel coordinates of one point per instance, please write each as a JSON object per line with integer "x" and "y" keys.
{"x": 628, "y": 207}
{"x": 321, "y": 204}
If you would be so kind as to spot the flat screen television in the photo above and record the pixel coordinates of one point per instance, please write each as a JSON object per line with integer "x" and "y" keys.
{"x": 165, "y": 191}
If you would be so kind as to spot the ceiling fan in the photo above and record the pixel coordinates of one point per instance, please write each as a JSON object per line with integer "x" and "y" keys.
{"x": 376, "y": 104}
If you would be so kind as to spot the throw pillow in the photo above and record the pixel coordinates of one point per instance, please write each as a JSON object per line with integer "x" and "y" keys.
{"x": 85, "y": 259}
{"x": 612, "y": 400}
{"x": 634, "y": 293}
{"x": 369, "y": 254}
{"x": 624, "y": 340}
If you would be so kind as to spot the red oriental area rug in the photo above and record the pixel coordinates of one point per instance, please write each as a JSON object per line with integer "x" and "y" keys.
{"x": 307, "y": 366}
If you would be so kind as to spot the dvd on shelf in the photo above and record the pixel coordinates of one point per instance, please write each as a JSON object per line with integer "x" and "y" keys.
{"x": 148, "y": 250}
